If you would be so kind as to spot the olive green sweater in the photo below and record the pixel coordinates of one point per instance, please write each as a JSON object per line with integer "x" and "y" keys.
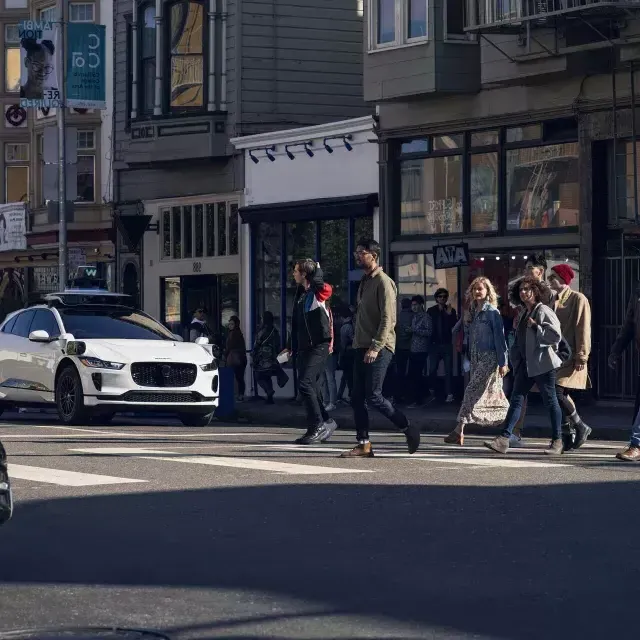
{"x": 376, "y": 312}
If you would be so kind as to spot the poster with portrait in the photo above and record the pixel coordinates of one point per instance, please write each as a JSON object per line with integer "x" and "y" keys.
{"x": 39, "y": 86}
{"x": 13, "y": 227}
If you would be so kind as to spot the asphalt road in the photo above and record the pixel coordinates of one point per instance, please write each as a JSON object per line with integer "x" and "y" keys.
{"x": 232, "y": 532}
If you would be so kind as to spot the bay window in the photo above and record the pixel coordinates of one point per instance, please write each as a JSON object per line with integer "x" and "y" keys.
{"x": 397, "y": 22}
{"x": 146, "y": 86}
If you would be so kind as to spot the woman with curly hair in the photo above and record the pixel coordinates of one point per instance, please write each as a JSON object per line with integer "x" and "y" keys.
{"x": 535, "y": 358}
{"x": 484, "y": 401}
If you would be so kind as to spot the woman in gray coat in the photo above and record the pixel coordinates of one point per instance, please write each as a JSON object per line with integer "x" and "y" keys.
{"x": 534, "y": 356}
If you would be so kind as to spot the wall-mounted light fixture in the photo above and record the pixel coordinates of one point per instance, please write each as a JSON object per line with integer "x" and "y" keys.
{"x": 345, "y": 140}
{"x": 255, "y": 160}
{"x": 268, "y": 151}
{"x": 306, "y": 145}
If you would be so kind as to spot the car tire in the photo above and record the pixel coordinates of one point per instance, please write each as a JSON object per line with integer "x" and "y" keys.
{"x": 196, "y": 419}
{"x": 70, "y": 397}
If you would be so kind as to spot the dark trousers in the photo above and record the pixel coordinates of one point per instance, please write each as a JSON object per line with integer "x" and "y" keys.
{"x": 368, "y": 380}
{"x": 442, "y": 352}
{"x": 265, "y": 382}
{"x": 416, "y": 381}
{"x": 637, "y": 405}
{"x": 565, "y": 403}
{"x": 522, "y": 384}
{"x": 346, "y": 362}
{"x": 311, "y": 363}
{"x": 402, "y": 374}
{"x": 238, "y": 372}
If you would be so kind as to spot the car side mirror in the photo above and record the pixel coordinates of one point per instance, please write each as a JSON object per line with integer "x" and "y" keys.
{"x": 202, "y": 340}
{"x": 39, "y": 336}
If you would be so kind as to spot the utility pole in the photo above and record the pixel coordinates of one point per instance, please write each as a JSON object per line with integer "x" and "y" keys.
{"x": 63, "y": 276}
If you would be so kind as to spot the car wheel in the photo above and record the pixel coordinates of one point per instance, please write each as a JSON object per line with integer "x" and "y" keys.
{"x": 70, "y": 397}
{"x": 196, "y": 419}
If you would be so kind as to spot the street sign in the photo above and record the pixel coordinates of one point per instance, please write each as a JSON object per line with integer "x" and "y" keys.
{"x": 85, "y": 87}
{"x": 447, "y": 256}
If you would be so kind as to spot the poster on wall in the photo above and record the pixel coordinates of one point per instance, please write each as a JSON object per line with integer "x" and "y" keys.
{"x": 13, "y": 226}
{"x": 39, "y": 86}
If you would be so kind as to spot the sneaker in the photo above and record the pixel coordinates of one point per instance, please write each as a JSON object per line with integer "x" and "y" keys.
{"x": 330, "y": 407}
{"x": 515, "y": 441}
{"x": 328, "y": 428}
{"x": 314, "y": 437}
{"x": 555, "y": 448}
{"x": 449, "y": 399}
{"x": 300, "y": 440}
{"x": 500, "y": 444}
{"x": 412, "y": 434}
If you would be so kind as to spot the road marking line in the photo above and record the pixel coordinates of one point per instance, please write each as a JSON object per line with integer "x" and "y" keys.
{"x": 106, "y": 434}
{"x": 216, "y": 461}
{"x": 64, "y": 478}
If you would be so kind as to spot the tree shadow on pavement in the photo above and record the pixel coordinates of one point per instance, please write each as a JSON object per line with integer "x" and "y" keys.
{"x": 527, "y": 562}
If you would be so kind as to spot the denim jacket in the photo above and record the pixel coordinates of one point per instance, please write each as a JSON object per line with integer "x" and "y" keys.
{"x": 488, "y": 329}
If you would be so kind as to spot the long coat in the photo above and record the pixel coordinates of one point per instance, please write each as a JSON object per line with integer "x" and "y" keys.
{"x": 574, "y": 312}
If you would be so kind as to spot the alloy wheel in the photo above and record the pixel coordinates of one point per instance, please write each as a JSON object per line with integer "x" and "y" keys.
{"x": 67, "y": 395}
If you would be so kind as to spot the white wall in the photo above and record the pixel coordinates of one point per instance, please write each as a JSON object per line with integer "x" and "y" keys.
{"x": 326, "y": 175}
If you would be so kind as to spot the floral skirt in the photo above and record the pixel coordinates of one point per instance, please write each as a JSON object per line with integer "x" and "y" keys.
{"x": 484, "y": 401}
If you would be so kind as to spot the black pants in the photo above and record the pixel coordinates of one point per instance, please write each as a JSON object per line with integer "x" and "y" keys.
{"x": 311, "y": 363}
{"x": 403, "y": 372}
{"x": 346, "y": 362}
{"x": 563, "y": 400}
{"x": 416, "y": 378}
{"x": 238, "y": 372}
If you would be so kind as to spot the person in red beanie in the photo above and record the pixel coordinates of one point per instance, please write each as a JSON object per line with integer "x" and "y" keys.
{"x": 574, "y": 312}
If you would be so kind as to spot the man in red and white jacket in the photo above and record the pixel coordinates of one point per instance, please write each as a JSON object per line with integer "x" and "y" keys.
{"x": 311, "y": 344}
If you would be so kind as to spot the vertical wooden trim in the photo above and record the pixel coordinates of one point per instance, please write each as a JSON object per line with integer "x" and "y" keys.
{"x": 223, "y": 58}
{"x": 211, "y": 88}
{"x": 157, "y": 103}
{"x": 134, "y": 61}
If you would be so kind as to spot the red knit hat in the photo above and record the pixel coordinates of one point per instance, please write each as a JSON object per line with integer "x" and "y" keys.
{"x": 564, "y": 272}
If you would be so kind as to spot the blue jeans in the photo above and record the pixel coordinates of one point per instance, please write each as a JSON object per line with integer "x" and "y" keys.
{"x": 329, "y": 387}
{"x": 522, "y": 384}
{"x": 367, "y": 386}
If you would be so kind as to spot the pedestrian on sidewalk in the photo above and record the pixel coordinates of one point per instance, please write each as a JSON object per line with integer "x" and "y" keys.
{"x": 345, "y": 357}
{"x": 374, "y": 342}
{"x": 443, "y": 319}
{"x": 484, "y": 402}
{"x": 535, "y": 360}
{"x": 236, "y": 354}
{"x": 574, "y": 312}
{"x": 420, "y": 332}
{"x": 403, "y": 350}
{"x": 264, "y": 357}
{"x": 311, "y": 345}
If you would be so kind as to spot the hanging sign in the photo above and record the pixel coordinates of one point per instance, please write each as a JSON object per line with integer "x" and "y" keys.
{"x": 38, "y": 75}
{"x": 13, "y": 227}
{"x": 85, "y": 66}
{"x": 447, "y": 256}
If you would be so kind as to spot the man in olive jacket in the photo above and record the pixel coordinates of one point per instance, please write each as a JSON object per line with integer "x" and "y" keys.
{"x": 374, "y": 342}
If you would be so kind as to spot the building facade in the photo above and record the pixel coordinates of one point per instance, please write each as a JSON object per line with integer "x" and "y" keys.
{"x": 509, "y": 127}
{"x": 190, "y": 75}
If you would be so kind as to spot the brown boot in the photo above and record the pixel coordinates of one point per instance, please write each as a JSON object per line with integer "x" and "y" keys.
{"x": 630, "y": 454}
{"x": 360, "y": 451}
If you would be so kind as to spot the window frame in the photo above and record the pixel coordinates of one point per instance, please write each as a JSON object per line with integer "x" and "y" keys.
{"x": 10, "y": 43}
{"x": 92, "y": 132}
{"x": 43, "y": 11}
{"x": 455, "y": 38}
{"x": 93, "y": 159}
{"x": 26, "y": 6}
{"x": 142, "y": 112}
{"x": 83, "y": 4}
{"x": 24, "y": 145}
{"x": 16, "y": 165}
{"x": 167, "y": 109}
{"x": 402, "y": 38}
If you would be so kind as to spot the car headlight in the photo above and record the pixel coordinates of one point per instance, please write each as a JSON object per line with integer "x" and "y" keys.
{"x": 96, "y": 363}
{"x": 211, "y": 366}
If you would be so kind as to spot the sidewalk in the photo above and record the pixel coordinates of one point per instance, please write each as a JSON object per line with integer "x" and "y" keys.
{"x": 610, "y": 420}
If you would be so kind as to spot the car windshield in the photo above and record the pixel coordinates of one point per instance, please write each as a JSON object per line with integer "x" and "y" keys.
{"x": 113, "y": 324}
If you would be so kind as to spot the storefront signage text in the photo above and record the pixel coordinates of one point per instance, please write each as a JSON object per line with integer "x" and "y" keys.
{"x": 447, "y": 256}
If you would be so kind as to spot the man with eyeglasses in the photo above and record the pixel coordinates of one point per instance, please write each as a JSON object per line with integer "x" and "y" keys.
{"x": 374, "y": 342}
{"x": 443, "y": 319}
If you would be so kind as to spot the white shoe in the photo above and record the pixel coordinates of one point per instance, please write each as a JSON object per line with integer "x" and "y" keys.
{"x": 330, "y": 407}
{"x": 329, "y": 427}
{"x": 449, "y": 399}
{"x": 515, "y": 441}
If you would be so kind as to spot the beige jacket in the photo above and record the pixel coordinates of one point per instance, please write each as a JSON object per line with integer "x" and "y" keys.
{"x": 376, "y": 312}
{"x": 574, "y": 312}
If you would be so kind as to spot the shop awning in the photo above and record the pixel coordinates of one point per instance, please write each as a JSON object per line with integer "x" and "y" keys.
{"x": 321, "y": 209}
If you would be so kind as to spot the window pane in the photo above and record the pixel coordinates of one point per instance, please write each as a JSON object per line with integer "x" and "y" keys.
{"x": 148, "y": 55}
{"x": 148, "y": 82}
{"x": 12, "y": 69}
{"x": 542, "y": 187}
{"x": 166, "y": 233}
{"x": 86, "y": 179}
{"x": 211, "y": 229}
{"x": 11, "y": 34}
{"x": 431, "y": 196}
{"x": 198, "y": 213}
{"x": 530, "y": 132}
{"x": 148, "y": 48}
{"x": 455, "y": 18}
{"x": 86, "y": 140}
{"x": 50, "y": 14}
{"x": 229, "y": 297}
{"x": 188, "y": 232}
{"x": 45, "y": 321}
{"x": 386, "y": 21}
{"x": 15, "y": 4}
{"x": 484, "y": 192}
{"x": 446, "y": 143}
{"x": 268, "y": 248}
{"x": 421, "y": 145}
{"x": 233, "y": 229}
{"x": 17, "y": 184}
{"x": 23, "y": 322}
{"x": 172, "y": 305}
{"x": 187, "y": 63}
{"x": 120, "y": 325}
{"x": 177, "y": 232}
{"x": 334, "y": 258}
{"x": 16, "y": 152}
{"x": 484, "y": 138}
{"x": 80, "y": 12}
{"x": 417, "y": 18}
{"x": 362, "y": 228}
{"x": 222, "y": 228}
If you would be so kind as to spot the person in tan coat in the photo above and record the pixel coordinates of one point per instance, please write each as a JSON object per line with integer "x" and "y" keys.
{"x": 574, "y": 312}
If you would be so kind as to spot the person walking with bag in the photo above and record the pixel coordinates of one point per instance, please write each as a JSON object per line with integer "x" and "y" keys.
{"x": 264, "y": 356}
{"x": 535, "y": 360}
{"x": 236, "y": 354}
{"x": 311, "y": 345}
{"x": 574, "y": 312}
{"x": 484, "y": 402}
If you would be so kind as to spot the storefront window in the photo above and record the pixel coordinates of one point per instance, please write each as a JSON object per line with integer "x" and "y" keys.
{"x": 362, "y": 228}
{"x": 447, "y": 143}
{"x": 415, "y": 276}
{"x": 521, "y": 134}
{"x": 301, "y": 243}
{"x": 268, "y": 248}
{"x": 485, "y": 138}
{"x": 229, "y": 296}
{"x": 543, "y": 190}
{"x": 431, "y": 195}
{"x": 334, "y": 257}
{"x": 172, "y": 305}
{"x": 484, "y": 192}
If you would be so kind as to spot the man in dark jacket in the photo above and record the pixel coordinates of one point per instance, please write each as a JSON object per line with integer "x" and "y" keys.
{"x": 311, "y": 344}
{"x": 443, "y": 318}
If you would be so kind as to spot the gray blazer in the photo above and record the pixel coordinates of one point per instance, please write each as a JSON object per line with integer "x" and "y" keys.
{"x": 542, "y": 343}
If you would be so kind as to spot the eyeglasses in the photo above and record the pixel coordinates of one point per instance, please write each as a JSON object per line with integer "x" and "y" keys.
{"x": 360, "y": 252}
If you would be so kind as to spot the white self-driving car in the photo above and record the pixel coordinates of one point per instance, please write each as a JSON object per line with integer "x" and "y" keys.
{"x": 91, "y": 354}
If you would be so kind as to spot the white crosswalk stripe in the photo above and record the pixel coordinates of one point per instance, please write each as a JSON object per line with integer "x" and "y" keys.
{"x": 63, "y": 478}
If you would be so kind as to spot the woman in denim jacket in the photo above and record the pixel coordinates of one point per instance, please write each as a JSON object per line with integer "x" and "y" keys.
{"x": 484, "y": 401}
